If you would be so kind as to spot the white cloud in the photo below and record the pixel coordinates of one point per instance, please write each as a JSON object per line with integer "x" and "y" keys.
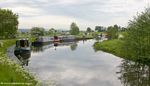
{"x": 46, "y": 21}
{"x": 26, "y": 11}
{"x": 60, "y": 13}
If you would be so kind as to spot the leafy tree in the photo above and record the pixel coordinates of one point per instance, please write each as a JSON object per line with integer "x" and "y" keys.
{"x": 37, "y": 31}
{"x": 123, "y": 29}
{"x": 51, "y": 31}
{"x": 8, "y": 23}
{"x": 74, "y": 29}
{"x": 88, "y": 29}
{"x": 116, "y": 27}
{"x": 137, "y": 41}
{"x": 112, "y": 32}
{"x": 99, "y": 28}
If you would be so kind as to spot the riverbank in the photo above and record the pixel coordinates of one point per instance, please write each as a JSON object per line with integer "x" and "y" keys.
{"x": 111, "y": 46}
{"x": 83, "y": 38}
{"x": 10, "y": 72}
{"x": 116, "y": 47}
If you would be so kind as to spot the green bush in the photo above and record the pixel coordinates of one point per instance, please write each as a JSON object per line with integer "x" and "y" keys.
{"x": 137, "y": 40}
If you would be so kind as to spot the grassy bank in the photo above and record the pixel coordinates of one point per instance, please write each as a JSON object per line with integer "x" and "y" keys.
{"x": 111, "y": 46}
{"x": 11, "y": 72}
{"x": 117, "y": 48}
{"x": 83, "y": 38}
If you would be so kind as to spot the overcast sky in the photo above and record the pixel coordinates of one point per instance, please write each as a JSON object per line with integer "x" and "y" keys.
{"x": 86, "y": 13}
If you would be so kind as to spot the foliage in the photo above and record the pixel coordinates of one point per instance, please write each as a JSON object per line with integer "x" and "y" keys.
{"x": 137, "y": 41}
{"x": 5, "y": 44}
{"x": 74, "y": 29}
{"x": 136, "y": 44}
{"x": 8, "y": 23}
{"x": 122, "y": 29}
{"x": 89, "y": 30}
{"x": 37, "y": 31}
{"x": 52, "y": 32}
{"x": 100, "y": 28}
{"x": 112, "y": 32}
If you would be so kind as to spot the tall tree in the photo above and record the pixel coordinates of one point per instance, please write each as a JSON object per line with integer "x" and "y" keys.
{"x": 37, "y": 31}
{"x": 112, "y": 32}
{"x": 88, "y": 29}
{"x": 99, "y": 28}
{"x": 51, "y": 31}
{"x": 8, "y": 23}
{"x": 74, "y": 29}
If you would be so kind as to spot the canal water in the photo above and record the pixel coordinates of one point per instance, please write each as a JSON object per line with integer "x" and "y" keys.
{"x": 75, "y": 64}
{"x": 78, "y": 64}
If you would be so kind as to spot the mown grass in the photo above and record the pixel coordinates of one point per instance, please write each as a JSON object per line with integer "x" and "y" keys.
{"x": 11, "y": 72}
{"x": 112, "y": 46}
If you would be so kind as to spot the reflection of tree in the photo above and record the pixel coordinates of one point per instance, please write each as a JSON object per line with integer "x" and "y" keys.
{"x": 134, "y": 74}
{"x": 37, "y": 49}
{"x": 73, "y": 46}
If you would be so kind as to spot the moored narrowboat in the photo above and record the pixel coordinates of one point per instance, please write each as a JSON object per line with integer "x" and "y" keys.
{"x": 57, "y": 39}
{"x": 68, "y": 38}
{"x": 22, "y": 48}
{"x": 43, "y": 40}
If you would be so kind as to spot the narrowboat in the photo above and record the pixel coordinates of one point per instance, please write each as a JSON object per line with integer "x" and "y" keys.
{"x": 68, "y": 38}
{"x": 57, "y": 39}
{"x": 22, "y": 48}
{"x": 43, "y": 40}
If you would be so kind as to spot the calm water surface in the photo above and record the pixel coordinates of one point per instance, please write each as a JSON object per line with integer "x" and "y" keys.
{"x": 75, "y": 64}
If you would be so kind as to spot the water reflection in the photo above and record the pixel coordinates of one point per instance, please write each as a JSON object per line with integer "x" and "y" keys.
{"x": 134, "y": 74}
{"x": 41, "y": 48}
{"x": 73, "y": 46}
{"x": 24, "y": 57}
{"x": 83, "y": 66}
{"x": 80, "y": 67}
{"x": 36, "y": 49}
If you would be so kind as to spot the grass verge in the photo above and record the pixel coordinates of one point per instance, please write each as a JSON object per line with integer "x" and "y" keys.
{"x": 117, "y": 48}
{"x": 10, "y": 72}
{"x": 111, "y": 46}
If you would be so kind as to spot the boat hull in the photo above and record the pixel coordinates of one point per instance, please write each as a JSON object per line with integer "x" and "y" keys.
{"x": 23, "y": 53}
{"x": 36, "y": 43}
